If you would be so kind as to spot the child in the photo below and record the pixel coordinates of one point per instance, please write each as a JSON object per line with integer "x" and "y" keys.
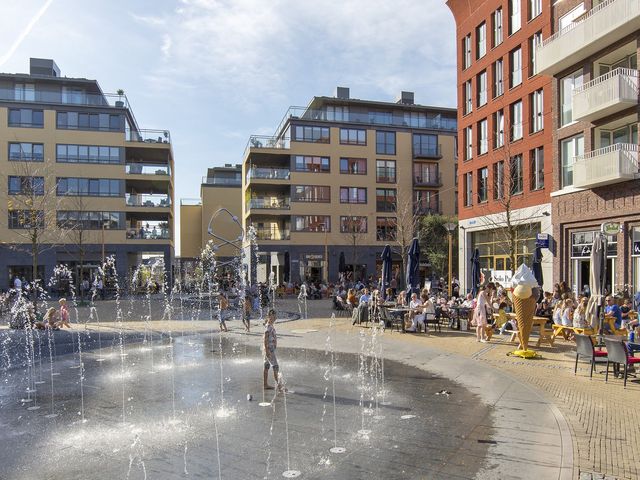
{"x": 567, "y": 313}
{"x": 64, "y": 314}
{"x": 246, "y": 313}
{"x": 224, "y": 304}
{"x": 49, "y": 320}
{"x": 579, "y": 316}
{"x": 269, "y": 345}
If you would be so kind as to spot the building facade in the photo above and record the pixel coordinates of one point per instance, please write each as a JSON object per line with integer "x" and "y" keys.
{"x": 592, "y": 57}
{"x": 79, "y": 168}
{"x": 343, "y": 177}
{"x": 505, "y": 135}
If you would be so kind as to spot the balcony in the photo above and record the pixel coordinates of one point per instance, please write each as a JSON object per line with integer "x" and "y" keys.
{"x": 267, "y": 142}
{"x": 613, "y": 164}
{"x": 148, "y": 200}
{"x": 162, "y": 137}
{"x": 268, "y": 174}
{"x": 274, "y": 203}
{"x": 64, "y": 98}
{"x": 229, "y": 181}
{"x": 428, "y": 152}
{"x": 428, "y": 208}
{"x": 608, "y": 94}
{"x": 428, "y": 180}
{"x": 603, "y": 25}
{"x": 272, "y": 234}
{"x": 146, "y": 169}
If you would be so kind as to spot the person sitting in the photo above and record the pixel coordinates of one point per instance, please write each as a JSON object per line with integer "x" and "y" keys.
{"x": 625, "y": 309}
{"x": 612, "y": 309}
{"x": 416, "y": 314}
{"x": 401, "y": 299}
{"x": 49, "y": 320}
{"x": 580, "y": 314}
{"x": 351, "y": 298}
{"x": 567, "y": 313}
{"x": 557, "y": 313}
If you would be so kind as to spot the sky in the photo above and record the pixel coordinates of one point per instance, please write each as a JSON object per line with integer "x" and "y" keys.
{"x": 214, "y": 72}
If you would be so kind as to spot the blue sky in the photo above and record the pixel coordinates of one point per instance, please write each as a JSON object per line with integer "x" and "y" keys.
{"x": 214, "y": 72}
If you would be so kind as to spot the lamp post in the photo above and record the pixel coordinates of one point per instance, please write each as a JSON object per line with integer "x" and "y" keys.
{"x": 450, "y": 226}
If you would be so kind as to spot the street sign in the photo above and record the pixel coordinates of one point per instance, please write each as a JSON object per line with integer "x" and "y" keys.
{"x": 542, "y": 240}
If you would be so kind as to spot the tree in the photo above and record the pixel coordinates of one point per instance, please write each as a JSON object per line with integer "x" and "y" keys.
{"x": 406, "y": 223}
{"x": 354, "y": 228}
{"x": 434, "y": 244}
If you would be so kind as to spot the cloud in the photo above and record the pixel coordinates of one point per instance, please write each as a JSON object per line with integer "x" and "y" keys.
{"x": 166, "y": 46}
{"x": 14, "y": 46}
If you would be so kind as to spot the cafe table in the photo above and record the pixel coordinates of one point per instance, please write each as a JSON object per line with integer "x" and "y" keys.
{"x": 399, "y": 312}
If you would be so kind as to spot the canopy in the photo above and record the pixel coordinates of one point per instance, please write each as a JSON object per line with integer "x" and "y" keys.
{"x": 597, "y": 275}
{"x": 386, "y": 271}
{"x": 413, "y": 265}
{"x": 536, "y": 267}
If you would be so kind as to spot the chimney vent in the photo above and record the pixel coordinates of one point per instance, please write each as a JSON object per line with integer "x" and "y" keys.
{"x": 405, "y": 98}
{"x": 342, "y": 93}
{"x": 43, "y": 66}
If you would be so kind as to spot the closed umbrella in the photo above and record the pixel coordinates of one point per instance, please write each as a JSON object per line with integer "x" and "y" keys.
{"x": 475, "y": 272}
{"x": 413, "y": 265}
{"x": 386, "y": 271}
{"x": 597, "y": 274}
{"x": 287, "y": 266}
{"x": 536, "y": 267}
{"x": 342, "y": 264}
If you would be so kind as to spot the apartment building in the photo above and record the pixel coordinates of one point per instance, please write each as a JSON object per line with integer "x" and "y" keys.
{"x": 505, "y": 135}
{"x": 341, "y": 178}
{"x": 592, "y": 56}
{"x": 220, "y": 189}
{"x": 79, "y": 168}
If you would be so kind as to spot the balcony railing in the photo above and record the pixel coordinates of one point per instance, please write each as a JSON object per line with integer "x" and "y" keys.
{"x": 146, "y": 169}
{"x": 64, "y": 98}
{"x": 269, "y": 202}
{"x": 221, "y": 181}
{"x": 612, "y": 164}
{"x": 268, "y": 173}
{"x": 603, "y": 25}
{"x": 271, "y": 234}
{"x": 147, "y": 200}
{"x": 264, "y": 141}
{"x": 606, "y": 95}
{"x": 429, "y": 208}
{"x": 428, "y": 152}
{"x": 152, "y": 233}
{"x": 148, "y": 136}
{"x": 428, "y": 180}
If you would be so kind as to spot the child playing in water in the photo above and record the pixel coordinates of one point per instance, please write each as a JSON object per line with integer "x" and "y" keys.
{"x": 269, "y": 345}
{"x": 64, "y": 314}
{"x": 224, "y": 304}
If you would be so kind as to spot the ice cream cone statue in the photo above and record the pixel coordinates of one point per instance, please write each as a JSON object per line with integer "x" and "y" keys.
{"x": 524, "y": 302}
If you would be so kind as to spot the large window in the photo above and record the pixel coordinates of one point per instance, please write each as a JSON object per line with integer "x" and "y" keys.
{"x": 91, "y": 187}
{"x": 90, "y": 121}
{"x": 385, "y": 199}
{"x": 481, "y": 40}
{"x": 353, "y": 136}
{"x": 498, "y": 129}
{"x": 516, "y": 120}
{"x": 466, "y": 51}
{"x": 386, "y": 229}
{"x": 569, "y": 148}
{"x": 494, "y": 248}
{"x": 468, "y": 142}
{"x": 537, "y": 168}
{"x": 353, "y": 224}
{"x": 427, "y": 202}
{"x": 567, "y": 85}
{"x": 338, "y": 113}
{"x": 25, "y": 219}
{"x": 26, "y": 152}
{"x": 426, "y": 174}
{"x": 305, "y": 163}
{"x": 26, "y": 117}
{"x": 498, "y": 180}
{"x": 468, "y": 189}
{"x": 353, "y": 195}
{"x": 311, "y": 193}
{"x": 26, "y": 185}
{"x": 468, "y": 97}
{"x": 311, "y": 223}
{"x": 386, "y": 171}
{"x": 515, "y": 20}
{"x": 498, "y": 78}
{"x": 535, "y": 8}
{"x": 482, "y": 88}
{"x": 483, "y": 137}
{"x": 496, "y": 21}
{"x": 515, "y": 58}
{"x": 537, "y": 105}
{"x": 483, "y": 184}
{"x": 534, "y": 42}
{"x": 386, "y": 143}
{"x": 517, "y": 175}
{"x": 425, "y": 145}
{"x": 353, "y": 166}
{"x": 88, "y": 154}
{"x": 310, "y": 134}
{"x": 623, "y": 134}
{"x": 94, "y": 220}
{"x": 25, "y": 92}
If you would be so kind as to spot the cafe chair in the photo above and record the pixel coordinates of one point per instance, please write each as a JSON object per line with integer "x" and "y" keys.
{"x": 585, "y": 348}
{"x": 617, "y": 353}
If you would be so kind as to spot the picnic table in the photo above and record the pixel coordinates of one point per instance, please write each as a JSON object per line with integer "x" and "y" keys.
{"x": 545, "y": 335}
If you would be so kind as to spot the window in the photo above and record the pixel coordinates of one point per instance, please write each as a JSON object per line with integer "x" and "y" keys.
{"x": 92, "y": 220}
{"x": 311, "y": 193}
{"x": 569, "y": 149}
{"x": 353, "y": 136}
{"x": 498, "y": 78}
{"x": 311, "y": 223}
{"x": 537, "y": 168}
{"x": 353, "y": 224}
{"x": 537, "y": 118}
{"x": 386, "y": 171}
{"x": 483, "y": 137}
{"x": 516, "y": 174}
{"x": 26, "y": 117}
{"x": 386, "y": 229}
{"x": 426, "y": 174}
{"x": 466, "y": 51}
{"x": 567, "y": 85}
{"x": 25, "y": 219}
{"x": 468, "y": 189}
{"x": 516, "y": 120}
{"x": 26, "y": 152}
{"x": 515, "y": 58}
{"x": 338, "y": 113}
{"x": 534, "y": 42}
{"x": 305, "y": 163}
{"x": 481, "y": 40}
{"x": 468, "y": 143}
{"x": 93, "y": 187}
{"x": 310, "y": 134}
{"x": 483, "y": 184}
{"x": 535, "y": 8}
{"x": 425, "y": 145}
{"x": 566, "y": 21}
{"x": 353, "y": 166}
{"x": 26, "y": 185}
{"x": 498, "y": 129}
{"x": 623, "y": 134}
{"x": 90, "y": 121}
{"x": 497, "y": 27}
{"x": 481, "y": 85}
{"x": 385, "y": 199}
{"x": 498, "y": 180}
{"x": 25, "y": 92}
{"x": 514, "y": 16}
{"x": 427, "y": 202}
{"x": 468, "y": 97}
{"x": 386, "y": 143}
{"x": 88, "y": 154}
{"x": 353, "y": 195}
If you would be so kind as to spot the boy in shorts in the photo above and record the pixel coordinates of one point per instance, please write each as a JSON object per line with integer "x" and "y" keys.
{"x": 269, "y": 345}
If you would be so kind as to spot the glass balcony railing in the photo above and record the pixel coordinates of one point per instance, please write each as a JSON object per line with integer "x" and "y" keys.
{"x": 434, "y": 151}
{"x": 149, "y": 231}
{"x": 428, "y": 208}
{"x": 147, "y": 200}
{"x": 263, "y": 141}
{"x": 268, "y": 173}
{"x": 427, "y": 179}
{"x": 269, "y": 202}
{"x": 221, "y": 181}
{"x": 272, "y": 234}
{"x": 64, "y": 98}
{"x": 148, "y": 136}
{"x": 145, "y": 169}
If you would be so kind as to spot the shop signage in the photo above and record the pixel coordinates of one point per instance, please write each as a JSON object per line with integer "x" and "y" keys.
{"x": 636, "y": 248}
{"x": 313, "y": 257}
{"x": 610, "y": 228}
{"x": 503, "y": 277}
{"x": 542, "y": 240}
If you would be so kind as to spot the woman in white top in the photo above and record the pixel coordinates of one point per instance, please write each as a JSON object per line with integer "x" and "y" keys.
{"x": 416, "y": 315}
{"x": 567, "y": 313}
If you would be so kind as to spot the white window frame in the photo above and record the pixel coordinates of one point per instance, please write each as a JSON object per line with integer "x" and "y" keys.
{"x": 468, "y": 97}
{"x": 576, "y": 147}
{"x": 535, "y": 8}
{"x": 573, "y": 80}
{"x": 468, "y": 186}
{"x": 516, "y": 120}
{"x": 515, "y": 16}
{"x": 498, "y": 78}
{"x": 497, "y": 27}
{"x": 498, "y": 128}
{"x": 537, "y": 111}
{"x": 536, "y": 41}
{"x": 481, "y": 40}
{"x": 468, "y": 138}
{"x": 537, "y": 168}
{"x": 483, "y": 136}
{"x": 466, "y": 54}
{"x": 482, "y": 88}
{"x": 515, "y": 64}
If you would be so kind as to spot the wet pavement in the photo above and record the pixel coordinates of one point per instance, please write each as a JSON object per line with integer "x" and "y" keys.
{"x": 179, "y": 408}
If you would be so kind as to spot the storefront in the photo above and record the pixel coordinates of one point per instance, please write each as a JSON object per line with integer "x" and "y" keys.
{"x": 493, "y": 246}
{"x": 581, "y": 243}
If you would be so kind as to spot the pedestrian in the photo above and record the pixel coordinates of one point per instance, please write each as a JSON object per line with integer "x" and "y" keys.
{"x": 481, "y": 314}
{"x": 246, "y": 312}
{"x": 269, "y": 345}
{"x": 224, "y": 305}
{"x": 63, "y": 314}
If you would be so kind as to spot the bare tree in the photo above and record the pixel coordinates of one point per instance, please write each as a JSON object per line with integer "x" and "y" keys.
{"x": 434, "y": 243}
{"x": 406, "y": 223}
{"x": 354, "y": 229}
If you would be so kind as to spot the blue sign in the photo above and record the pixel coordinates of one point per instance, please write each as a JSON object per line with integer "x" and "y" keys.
{"x": 542, "y": 240}
{"x": 636, "y": 248}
